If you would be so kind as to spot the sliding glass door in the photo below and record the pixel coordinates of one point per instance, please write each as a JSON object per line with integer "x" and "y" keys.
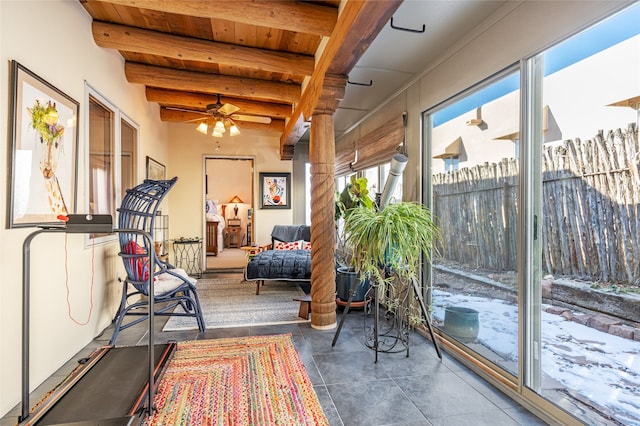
{"x": 536, "y": 186}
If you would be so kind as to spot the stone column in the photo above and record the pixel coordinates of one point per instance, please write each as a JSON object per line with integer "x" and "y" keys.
{"x": 323, "y": 240}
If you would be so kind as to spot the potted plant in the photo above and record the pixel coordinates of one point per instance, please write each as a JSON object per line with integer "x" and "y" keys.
{"x": 354, "y": 196}
{"x": 387, "y": 247}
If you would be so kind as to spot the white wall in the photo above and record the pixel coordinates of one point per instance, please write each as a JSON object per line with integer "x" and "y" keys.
{"x": 53, "y": 39}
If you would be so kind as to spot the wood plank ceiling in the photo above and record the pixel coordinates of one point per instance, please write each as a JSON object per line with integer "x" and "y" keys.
{"x": 269, "y": 58}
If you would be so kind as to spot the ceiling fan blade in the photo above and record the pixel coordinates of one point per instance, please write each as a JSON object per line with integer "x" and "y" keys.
{"x": 194, "y": 120}
{"x": 228, "y": 109}
{"x": 195, "y": 111}
{"x": 252, "y": 118}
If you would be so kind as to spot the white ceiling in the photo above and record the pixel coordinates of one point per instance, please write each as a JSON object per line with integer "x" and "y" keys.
{"x": 396, "y": 57}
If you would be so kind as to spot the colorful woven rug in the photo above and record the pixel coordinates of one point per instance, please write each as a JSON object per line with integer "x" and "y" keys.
{"x": 237, "y": 381}
{"x": 232, "y": 302}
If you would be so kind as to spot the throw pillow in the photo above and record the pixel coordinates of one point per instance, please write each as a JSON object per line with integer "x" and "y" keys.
{"x": 281, "y": 245}
{"x": 138, "y": 265}
{"x": 306, "y": 245}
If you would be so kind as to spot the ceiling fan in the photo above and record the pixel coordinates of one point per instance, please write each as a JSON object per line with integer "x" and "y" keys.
{"x": 220, "y": 118}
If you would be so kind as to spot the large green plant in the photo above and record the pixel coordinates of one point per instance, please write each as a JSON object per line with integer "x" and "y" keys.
{"x": 388, "y": 245}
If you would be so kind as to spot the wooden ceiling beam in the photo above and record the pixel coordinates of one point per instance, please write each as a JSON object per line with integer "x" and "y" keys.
{"x": 132, "y": 39}
{"x": 286, "y": 15}
{"x": 366, "y": 23}
{"x": 192, "y": 81}
{"x": 200, "y": 101}
{"x": 358, "y": 24}
{"x": 173, "y": 116}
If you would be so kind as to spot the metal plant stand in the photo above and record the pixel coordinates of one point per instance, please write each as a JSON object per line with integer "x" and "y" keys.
{"x": 394, "y": 337}
{"x": 391, "y": 334}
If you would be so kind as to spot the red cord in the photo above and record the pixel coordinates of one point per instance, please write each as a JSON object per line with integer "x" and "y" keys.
{"x": 66, "y": 273}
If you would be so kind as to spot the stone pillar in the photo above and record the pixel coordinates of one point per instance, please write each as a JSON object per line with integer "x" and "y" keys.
{"x": 323, "y": 240}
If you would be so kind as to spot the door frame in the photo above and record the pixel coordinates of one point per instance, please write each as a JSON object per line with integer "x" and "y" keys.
{"x": 251, "y": 202}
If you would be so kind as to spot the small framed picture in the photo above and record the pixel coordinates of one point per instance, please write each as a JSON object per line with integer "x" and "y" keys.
{"x": 155, "y": 170}
{"x": 275, "y": 190}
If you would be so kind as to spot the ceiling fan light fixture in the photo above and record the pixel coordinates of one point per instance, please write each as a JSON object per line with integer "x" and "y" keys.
{"x": 203, "y": 128}
{"x": 233, "y": 130}
{"x": 219, "y": 127}
{"x": 219, "y": 119}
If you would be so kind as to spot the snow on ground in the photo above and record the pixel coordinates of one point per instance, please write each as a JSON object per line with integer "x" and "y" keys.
{"x": 599, "y": 366}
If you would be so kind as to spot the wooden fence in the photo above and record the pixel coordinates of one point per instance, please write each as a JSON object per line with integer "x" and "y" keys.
{"x": 590, "y": 223}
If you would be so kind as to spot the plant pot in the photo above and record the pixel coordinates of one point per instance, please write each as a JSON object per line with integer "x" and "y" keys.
{"x": 345, "y": 277}
{"x": 461, "y": 323}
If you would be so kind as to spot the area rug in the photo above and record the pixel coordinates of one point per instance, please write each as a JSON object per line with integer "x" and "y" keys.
{"x": 256, "y": 380}
{"x": 232, "y": 302}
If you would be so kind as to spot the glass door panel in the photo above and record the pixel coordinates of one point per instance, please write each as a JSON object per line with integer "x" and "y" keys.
{"x": 474, "y": 144}
{"x": 591, "y": 222}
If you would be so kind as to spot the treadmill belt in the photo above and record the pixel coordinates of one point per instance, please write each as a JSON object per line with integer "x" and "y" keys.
{"x": 110, "y": 389}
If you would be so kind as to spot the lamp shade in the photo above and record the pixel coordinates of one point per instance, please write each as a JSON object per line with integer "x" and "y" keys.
{"x": 219, "y": 127}
{"x": 233, "y": 130}
{"x": 202, "y": 128}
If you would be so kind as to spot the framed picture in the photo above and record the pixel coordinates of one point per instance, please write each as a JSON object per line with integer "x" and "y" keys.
{"x": 44, "y": 142}
{"x": 275, "y": 190}
{"x": 155, "y": 170}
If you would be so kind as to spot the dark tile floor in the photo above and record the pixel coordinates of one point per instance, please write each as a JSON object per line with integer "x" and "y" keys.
{"x": 352, "y": 388}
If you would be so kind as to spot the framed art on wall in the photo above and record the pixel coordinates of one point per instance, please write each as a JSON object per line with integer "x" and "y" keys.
{"x": 155, "y": 170}
{"x": 44, "y": 142}
{"x": 275, "y": 190}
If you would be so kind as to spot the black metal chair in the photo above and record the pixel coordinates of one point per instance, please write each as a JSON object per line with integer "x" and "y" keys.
{"x": 172, "y": 287}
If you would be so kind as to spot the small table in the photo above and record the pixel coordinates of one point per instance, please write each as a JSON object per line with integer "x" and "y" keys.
{"x": 304, "y": 311}
{"x": 187, "y": 252}
{"x": 234, "y": 239}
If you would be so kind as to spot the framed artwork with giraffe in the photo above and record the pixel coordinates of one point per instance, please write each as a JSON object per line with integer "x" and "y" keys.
{"x": 44, "y": 142}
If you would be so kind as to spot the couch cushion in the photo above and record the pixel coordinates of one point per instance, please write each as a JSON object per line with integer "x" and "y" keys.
{"x": 167, "y": 282}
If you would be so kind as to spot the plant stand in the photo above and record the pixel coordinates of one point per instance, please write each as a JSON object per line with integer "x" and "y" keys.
{"x": 398, "y": 330}
{"x": 391, "y": 334}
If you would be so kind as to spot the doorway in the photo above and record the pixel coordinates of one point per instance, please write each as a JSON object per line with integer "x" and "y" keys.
{"x": 229, "y": 195}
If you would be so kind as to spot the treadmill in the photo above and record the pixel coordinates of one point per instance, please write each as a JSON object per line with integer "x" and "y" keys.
{"x": 112, "y": 386}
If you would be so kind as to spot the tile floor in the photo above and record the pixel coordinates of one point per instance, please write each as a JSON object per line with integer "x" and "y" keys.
{"x": 352, "y": 388}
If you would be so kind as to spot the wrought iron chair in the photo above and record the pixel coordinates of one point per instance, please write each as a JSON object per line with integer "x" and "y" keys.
{"x": 172, "y": 287}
